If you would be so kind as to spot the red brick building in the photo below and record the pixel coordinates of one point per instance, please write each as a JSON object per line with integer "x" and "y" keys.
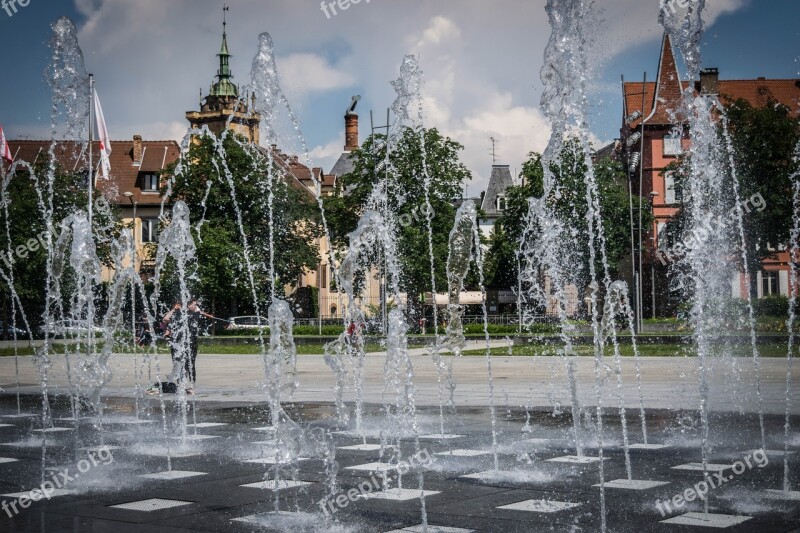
{"x": 654, "y": 104}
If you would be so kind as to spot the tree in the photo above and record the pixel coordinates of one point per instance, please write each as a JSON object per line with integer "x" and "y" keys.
{"x": 26, "y": 230}
{"x": 569, "y": 202}
{"x": 407, "y": 200}
{"x": 222, "y": 268}
{"x": 764, "y": 140}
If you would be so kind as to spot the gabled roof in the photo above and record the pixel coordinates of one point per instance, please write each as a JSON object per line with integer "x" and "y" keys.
{"x": 74, "y": 156}
{"x": 297, "y": 174}
{"x": 345, "y": 165}
{"x": 761, "y": 91}
{"x": 662, "y": 96}
{"x": 499, "y": 182}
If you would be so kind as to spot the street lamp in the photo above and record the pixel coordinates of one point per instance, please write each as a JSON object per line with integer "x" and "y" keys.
{"x": 633, "y": 117}
{"x": 129, "y": 196}
{"x": 653, "y": 195}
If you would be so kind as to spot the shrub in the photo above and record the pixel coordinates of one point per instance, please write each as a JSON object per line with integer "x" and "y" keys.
{"x": 314, "y": 330}
{"x": 772, "y": 306}
{"x": 498, "y": 329}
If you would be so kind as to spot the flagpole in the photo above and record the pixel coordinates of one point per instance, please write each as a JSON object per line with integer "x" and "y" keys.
{"x": 91, "y": 140}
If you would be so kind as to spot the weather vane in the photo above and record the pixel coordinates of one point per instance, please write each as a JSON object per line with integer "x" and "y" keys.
{"x": 225, "y": 10}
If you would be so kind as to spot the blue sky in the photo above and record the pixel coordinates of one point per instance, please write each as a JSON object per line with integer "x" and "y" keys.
{"x": 481, "y": 59}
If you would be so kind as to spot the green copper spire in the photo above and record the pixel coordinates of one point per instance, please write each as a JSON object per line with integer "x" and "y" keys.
{"x": 224, "y": 87}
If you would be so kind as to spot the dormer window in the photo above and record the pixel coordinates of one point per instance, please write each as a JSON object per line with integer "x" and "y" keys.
{"x": 501, "y": 202}
{"x": 149, "y": 181}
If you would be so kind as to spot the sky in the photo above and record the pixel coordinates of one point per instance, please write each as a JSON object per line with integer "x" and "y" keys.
{"x": 481, "y": 60}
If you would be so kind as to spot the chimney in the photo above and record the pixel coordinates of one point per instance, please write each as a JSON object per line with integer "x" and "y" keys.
{"x": 137, "y": 150}
{"x": 709, "y": 81}
{"x": 351, "y": 132}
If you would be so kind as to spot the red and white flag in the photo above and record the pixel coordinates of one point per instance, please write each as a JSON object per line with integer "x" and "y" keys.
{"x": 102, "y": 136}
{"x": 5, "y": 150}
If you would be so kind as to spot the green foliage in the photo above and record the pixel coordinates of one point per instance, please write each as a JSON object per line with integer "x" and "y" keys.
{"x": 297, "y": 330}
{"x": 406, "y": 200}
{"x": 26, "y": 225}
{"x": 764, "y": 140}
{"x": 314, "y": 330}
{"x": 500, "y": 266}
{"x": 775, "y": 306}
{"x": 569, "y": 202}
{"x": 222, "y": 271}
{"x": 500, "y": 329}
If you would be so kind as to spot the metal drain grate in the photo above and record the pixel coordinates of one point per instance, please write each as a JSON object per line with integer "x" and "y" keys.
{"x": 173, "y": 474}
{"x": 153, "y": 504}
{"x": 272, "y": 484}
{"x": 540, "y": 506}
{"x": 432, "y": 529}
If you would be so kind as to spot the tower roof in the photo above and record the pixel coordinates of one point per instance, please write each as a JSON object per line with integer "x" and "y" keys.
{"x": 499, "y": 182}
{"x": 224, "y": 86}
{"x": 661, "y": 96}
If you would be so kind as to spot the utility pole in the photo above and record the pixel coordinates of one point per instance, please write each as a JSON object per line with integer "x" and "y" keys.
{"x": 91, "y": 141}
{"x": 383, "y": 272}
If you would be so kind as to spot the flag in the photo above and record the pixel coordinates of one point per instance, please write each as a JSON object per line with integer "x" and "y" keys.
{"x": 102, "y": 136}
{"x": 5, "y": 150}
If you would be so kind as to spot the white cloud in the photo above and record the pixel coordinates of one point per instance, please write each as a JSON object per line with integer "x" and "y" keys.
{"x": 325, "y": 156}
{"x": 481, "y": 63}
{"x": 302, "y": 74}
{"x": 439, "y": 30}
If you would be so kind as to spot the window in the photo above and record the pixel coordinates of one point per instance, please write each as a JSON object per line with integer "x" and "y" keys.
{"x": 672, "y": 145}
{"x": 150, "y": 229}
{"x": 501, "y": 203}
{"x": 150, "y": 182}
{"x": 661, "y": 237}
{"x": 672, "y": 193}
{"x": 769, "y": 283}
{"x": 323, "y": 276}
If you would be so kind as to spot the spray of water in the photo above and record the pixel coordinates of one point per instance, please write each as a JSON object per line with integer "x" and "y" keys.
{"x": 791, "y": 323}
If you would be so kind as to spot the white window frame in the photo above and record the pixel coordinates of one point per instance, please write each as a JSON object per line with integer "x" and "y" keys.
{"x": 774, "y": 285}
{"x": 672, "y": 194}
{"x": 147, "y": 181}
{"x": 661, "y": 236}
{"x": 672, "y": 145}
{"x": 151, "y": 226}
{"x": 501, "y": 198}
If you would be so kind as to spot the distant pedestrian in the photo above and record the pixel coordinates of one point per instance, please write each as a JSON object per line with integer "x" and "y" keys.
{"x": 184, "y": 350}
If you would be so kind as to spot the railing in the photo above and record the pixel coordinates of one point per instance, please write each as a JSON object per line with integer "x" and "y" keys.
{"x": 503, "y": 320}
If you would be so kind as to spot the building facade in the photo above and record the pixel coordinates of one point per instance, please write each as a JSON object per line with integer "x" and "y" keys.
{"x": 649, "y": 128}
